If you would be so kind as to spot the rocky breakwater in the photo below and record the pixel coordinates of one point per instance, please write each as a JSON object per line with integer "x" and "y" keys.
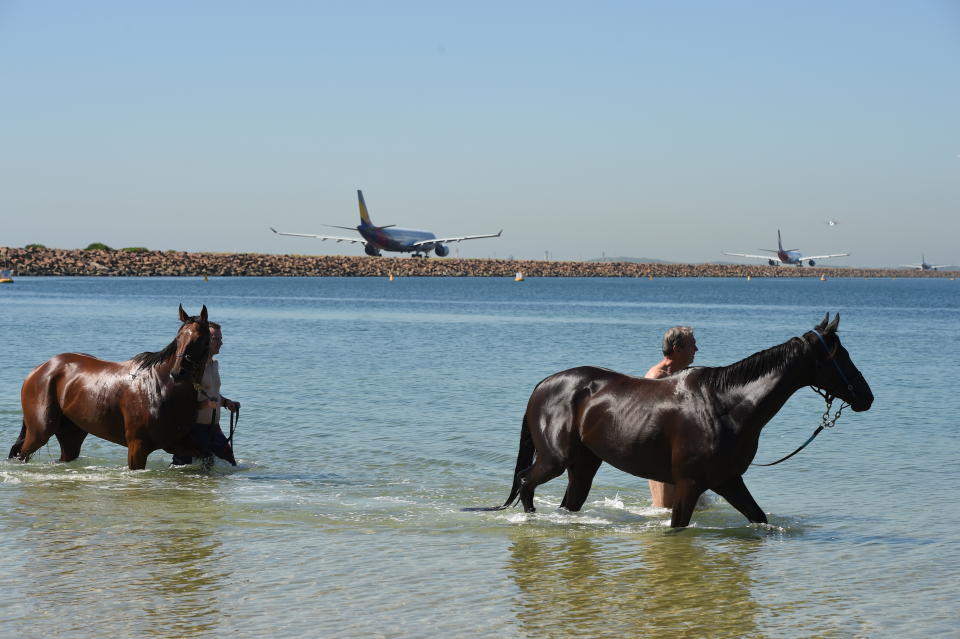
{"x": 64, "y": 262}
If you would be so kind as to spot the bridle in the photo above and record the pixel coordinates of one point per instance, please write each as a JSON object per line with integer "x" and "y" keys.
{"x": 191, "y": 366}
{"x": 831, "y": 357}
{"x": 826, "y": 421}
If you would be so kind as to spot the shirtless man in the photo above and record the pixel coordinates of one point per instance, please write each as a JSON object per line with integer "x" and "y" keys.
{"x": 206, "y": 431}
{"x": 679, "y": 349}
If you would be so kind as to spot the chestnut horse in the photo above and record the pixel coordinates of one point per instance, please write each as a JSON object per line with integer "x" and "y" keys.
{"x": 698, "y": 429}
{"x": 145, "y": 403}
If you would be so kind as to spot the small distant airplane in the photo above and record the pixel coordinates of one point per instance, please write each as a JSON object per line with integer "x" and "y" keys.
{"x": 832, "y": 222}
{"x": 788, "y": 256}
{"x": 390, "y": 238}
{"x": 924, "y": 266}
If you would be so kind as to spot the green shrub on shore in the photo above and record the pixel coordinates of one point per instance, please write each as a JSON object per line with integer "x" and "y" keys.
{"x": 34, "y": 246}
{"x": 98, "y": 246}
{"x": 135, "y": 249}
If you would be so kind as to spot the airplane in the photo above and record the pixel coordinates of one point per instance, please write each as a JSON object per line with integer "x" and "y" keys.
{"x": 788, "y": 256}
{"x": 390, "y": 238}
{"x": 924, "y": 266}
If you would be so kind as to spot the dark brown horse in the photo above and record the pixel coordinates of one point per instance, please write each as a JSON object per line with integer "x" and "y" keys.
{"x": 698, "y": 429}
{"x": 146, "y": 403}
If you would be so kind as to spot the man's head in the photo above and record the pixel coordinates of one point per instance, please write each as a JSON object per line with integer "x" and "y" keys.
{"x": 679, "y": 344}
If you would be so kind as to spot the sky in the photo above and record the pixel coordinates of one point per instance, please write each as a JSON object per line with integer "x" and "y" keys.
{"x": 668, "y": 130}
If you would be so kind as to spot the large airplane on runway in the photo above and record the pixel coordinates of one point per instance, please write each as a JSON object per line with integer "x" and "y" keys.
{"x": 788, "y": 256}
{"x": 390, "y": 238}
{"x": 924, "y": 266}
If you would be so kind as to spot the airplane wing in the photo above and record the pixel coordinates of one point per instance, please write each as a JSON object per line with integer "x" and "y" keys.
{"x": 823, "y": 257}
{"x": 441, "y": 240}
{"x": 351, "y": 240}
{"x": 756, "y": 257}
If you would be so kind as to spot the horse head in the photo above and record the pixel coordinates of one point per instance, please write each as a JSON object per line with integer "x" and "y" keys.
{"x": 192, "y": 346}
{"x": 835, "y": 372}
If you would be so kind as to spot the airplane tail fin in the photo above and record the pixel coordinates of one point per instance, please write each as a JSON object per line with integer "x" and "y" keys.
{"x": 779, "y": 241}
{"x": 364, "y": 216}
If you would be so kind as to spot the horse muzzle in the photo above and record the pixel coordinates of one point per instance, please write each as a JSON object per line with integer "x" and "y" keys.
{"x": 862, "y": 397}
{"x": 862, "y": 402}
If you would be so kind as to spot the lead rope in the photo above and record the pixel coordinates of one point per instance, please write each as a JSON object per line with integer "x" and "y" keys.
{"x": 235, "y": 418}
{"x": 825, "y": 422}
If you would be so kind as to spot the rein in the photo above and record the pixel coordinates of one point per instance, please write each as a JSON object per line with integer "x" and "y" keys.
{"x": 234, "y": 420}
{"x": 825, "y": 420}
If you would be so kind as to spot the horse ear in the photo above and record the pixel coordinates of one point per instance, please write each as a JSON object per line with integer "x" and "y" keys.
{"x": 832, "y": 328}
{"x": 203, "y": 313}
{"x": 823, "y": 324}
{"x": 183, "y": 314}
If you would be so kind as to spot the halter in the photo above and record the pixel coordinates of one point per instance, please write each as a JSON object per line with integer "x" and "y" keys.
{"x": 825, "y": 420}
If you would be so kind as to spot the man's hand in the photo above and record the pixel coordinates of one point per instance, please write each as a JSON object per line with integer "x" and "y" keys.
{"x": 231, "y": 405}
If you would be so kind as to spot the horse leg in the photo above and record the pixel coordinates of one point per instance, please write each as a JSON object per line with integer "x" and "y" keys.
{"x": 36, "y": 432}
{"x": 41, "y": 418}
{"x": 17, "y": 445}
{"x": 685, "y": 497}
{"x": 736, "y": 493}
{"x": 580, "y": 475}
{"x": 542, "y": 471}
{"x": 71, "y": 439}
{"x": 137, "y": 453}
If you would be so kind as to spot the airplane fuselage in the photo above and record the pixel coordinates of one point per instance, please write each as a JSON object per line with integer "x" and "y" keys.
{"x": 790, "y": 257}
{"x": 395, "y": 239}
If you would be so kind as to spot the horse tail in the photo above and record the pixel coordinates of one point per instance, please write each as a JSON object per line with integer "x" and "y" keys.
{"x": 524, "y": 459}
{"x": 15, "y": 449}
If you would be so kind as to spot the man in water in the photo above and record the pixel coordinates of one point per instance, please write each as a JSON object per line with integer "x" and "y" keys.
{"x": 206, "y": 431}
{"x": 679, "y": 349}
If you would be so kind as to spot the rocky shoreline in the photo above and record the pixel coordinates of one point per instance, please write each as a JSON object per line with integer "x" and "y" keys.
{"x": 76, "y": 262}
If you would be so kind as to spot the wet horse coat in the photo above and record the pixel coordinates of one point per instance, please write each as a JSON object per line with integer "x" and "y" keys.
{"x": 145, "y": 403}
{"x": 698, "y": 430}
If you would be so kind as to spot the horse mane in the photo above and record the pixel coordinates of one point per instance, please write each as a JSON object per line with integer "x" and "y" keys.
{"x": 148, "y": 358}
{"x": 750, "y": 368}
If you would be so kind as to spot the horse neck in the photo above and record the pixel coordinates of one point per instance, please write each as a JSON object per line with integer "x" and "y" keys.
{"x": 163, "y": 369}
{"x": 755, "y": 400}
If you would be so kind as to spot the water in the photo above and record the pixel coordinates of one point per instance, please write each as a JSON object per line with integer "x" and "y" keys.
{"x": 374, "y": 410}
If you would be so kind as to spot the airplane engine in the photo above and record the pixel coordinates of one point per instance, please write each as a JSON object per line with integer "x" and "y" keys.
{"x": 371, "y": 250}
{"x": 771, "y": 263}
{"x": 441, "y": 250}
{"x": 811, "y": 263}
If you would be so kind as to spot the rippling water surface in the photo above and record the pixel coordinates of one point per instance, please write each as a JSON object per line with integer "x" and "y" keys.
{"x": 374, "y": 410}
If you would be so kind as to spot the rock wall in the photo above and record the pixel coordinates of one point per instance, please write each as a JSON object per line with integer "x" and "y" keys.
{"x": 37, "y": 261}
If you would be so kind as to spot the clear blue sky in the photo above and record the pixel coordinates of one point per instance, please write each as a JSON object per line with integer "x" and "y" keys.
{"x": 658, "y": 129}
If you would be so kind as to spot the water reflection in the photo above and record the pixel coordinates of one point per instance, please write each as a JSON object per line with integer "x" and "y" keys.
{"x": 633, "y": 585}
{"x": 139, "y": 556}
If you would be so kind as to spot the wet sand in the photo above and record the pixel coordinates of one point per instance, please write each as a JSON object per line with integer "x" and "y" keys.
{"x": 67, "y": 262}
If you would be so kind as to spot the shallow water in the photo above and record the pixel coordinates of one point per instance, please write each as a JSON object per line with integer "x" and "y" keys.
{"x": 374, "y": 410}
